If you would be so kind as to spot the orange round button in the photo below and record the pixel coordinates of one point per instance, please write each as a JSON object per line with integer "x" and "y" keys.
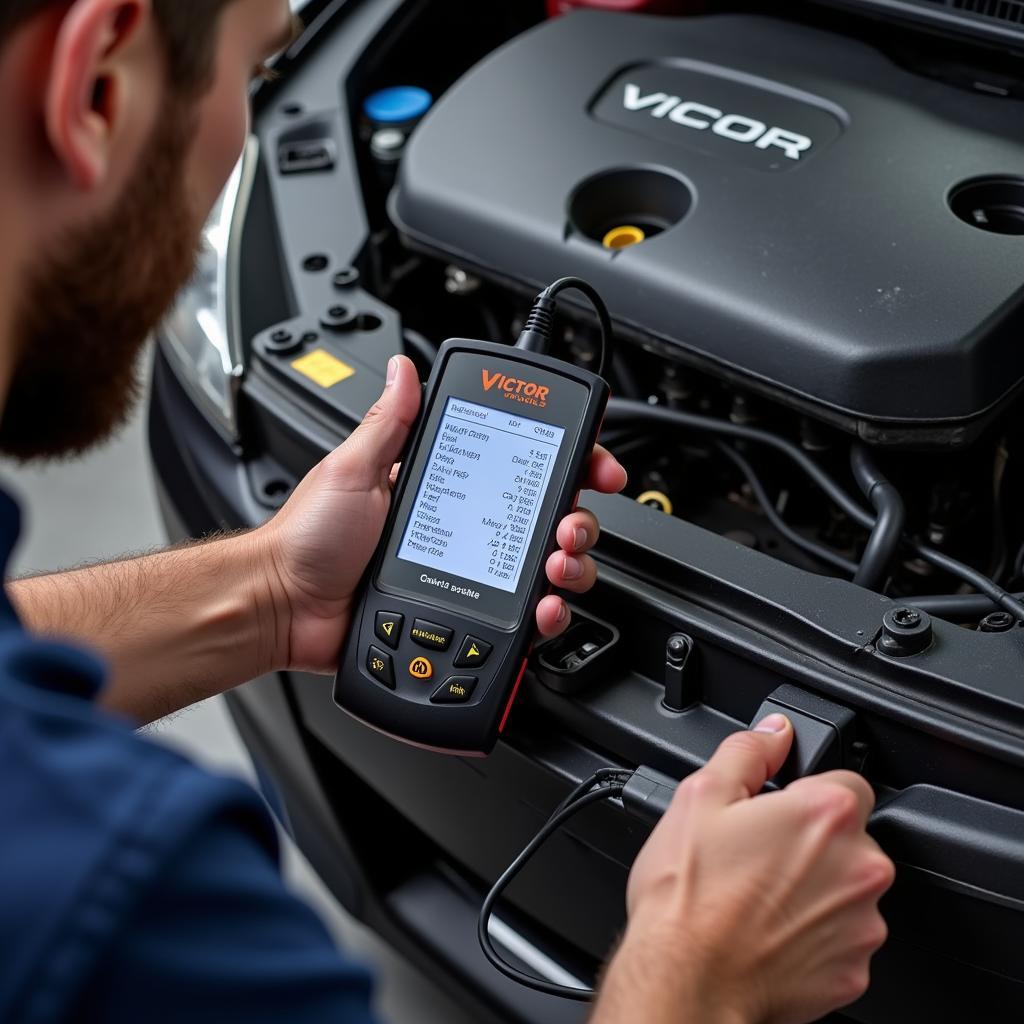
{"x": 420, "y": 668}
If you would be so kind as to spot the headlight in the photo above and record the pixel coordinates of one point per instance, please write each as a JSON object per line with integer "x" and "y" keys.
{"x": 200, "y": 337}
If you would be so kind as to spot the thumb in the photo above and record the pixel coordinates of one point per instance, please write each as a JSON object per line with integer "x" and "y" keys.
{"x": 375, "y": 445}
{"x": 745, "y": 761}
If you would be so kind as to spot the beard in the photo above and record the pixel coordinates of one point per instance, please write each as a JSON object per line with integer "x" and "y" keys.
{"x": 87, "y": 311}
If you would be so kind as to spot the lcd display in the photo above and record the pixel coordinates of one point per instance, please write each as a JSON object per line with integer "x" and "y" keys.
{"x": 480, "y": 496}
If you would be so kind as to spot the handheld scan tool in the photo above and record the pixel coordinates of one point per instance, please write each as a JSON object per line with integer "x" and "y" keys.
{"x": 439, "y": 639}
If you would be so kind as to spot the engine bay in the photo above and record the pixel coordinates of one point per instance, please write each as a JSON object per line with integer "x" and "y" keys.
{"x": 825, "y": 496}
{"x": 809, "y": 247}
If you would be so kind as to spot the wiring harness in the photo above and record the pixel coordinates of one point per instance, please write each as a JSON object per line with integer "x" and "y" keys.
{"x": 885, "y": 524}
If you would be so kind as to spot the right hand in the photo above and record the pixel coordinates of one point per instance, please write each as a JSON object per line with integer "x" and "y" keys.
{"x": 748, "y": 908}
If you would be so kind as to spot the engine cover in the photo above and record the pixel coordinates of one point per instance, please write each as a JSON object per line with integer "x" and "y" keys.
{"x": 795, "y": 192}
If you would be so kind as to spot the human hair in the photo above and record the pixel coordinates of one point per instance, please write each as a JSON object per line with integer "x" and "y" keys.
{"x": 189, "y": 32}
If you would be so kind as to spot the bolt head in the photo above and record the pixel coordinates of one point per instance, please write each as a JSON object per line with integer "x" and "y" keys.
{"x": 997, "y": 622}
{"x": 677, "y": 646}
{"x": 906, "y": 618}
{"x": 905, "y": 632}
{"x": 345, "y": 278}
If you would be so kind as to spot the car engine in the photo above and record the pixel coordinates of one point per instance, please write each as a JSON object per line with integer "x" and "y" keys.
{"x": 797, "y": 236}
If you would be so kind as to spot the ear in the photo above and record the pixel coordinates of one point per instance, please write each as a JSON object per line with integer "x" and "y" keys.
{"x": 86, "y": 88}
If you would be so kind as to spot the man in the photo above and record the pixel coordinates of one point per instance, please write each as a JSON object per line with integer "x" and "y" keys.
{"x": 134, "y": 886}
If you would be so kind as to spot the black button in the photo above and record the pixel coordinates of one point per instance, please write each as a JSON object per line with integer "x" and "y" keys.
{"x": 473, "y": 652}
{"x": 430, "y": 634}
{"x": 454, "y": 690}
{"x": 379, "y": 665}
{"x": 388, "y": 628}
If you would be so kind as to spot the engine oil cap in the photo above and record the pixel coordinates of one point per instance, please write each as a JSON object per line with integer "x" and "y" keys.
{"x": 397, "y": 104}
{"x": 623, "y": 236}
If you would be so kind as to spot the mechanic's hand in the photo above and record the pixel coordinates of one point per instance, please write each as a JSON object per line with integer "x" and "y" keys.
{"x": 747, "y": 908}
{"x": 321, "y": 542}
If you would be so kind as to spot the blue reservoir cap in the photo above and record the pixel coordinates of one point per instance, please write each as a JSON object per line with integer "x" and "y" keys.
{"x": 398, "y": 104}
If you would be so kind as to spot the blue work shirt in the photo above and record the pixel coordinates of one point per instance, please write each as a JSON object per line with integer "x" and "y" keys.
{"x": 133, "y": 885}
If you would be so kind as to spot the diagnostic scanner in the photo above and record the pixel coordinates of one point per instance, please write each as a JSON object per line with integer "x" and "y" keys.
{"x": 444, "y": 624}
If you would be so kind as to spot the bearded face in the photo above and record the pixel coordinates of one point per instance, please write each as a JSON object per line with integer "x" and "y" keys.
{"x": 88, "y": 308}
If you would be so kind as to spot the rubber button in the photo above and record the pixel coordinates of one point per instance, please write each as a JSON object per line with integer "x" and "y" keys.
{"x": 454, "y": 690}
{"x": 421, "y": 668}
{"x": 380, "y": 666}
{"x": 387, "y": 627}
{"x": 430, "y": 634}
{"x": 473, "y": 652}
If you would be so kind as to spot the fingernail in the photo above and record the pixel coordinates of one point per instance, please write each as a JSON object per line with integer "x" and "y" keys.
{"x": 572, "y": 568}
{"x": 392, "y": 371}
{"x": 773, "y": 723}
{"x": 579, "y": 538}
{"x": 562, "y": 612}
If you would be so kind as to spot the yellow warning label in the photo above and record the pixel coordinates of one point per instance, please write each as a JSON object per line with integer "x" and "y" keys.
{"x": 322, "y": 368}
{"x": 388, "y": 627}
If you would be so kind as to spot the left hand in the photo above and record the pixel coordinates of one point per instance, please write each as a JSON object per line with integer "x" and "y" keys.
{"x": 318, "y": 546}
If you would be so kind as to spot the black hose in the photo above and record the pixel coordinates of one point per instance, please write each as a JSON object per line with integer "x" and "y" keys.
{"x": 426, "y": 350}
{"x": 492, "y": 326}
{"x": 813, "y": 548}
{"x": 976, "y": 579}
{"x": 888, "y": 529}
{"x": 624, "y": 376}
{"x": 621, "y": 410}
{"x": 956, "y": 606}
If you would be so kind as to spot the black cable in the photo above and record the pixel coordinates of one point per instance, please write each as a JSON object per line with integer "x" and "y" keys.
{"x": 603, "y": 318}
{"x": 621, "y": 410}
{"x": 575, "y": 802}
{"x": 536, "y": 333}
{"x": 601, "y": 775}
{"x": 888, "y": 529}
{"x": 813, "y": 548}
